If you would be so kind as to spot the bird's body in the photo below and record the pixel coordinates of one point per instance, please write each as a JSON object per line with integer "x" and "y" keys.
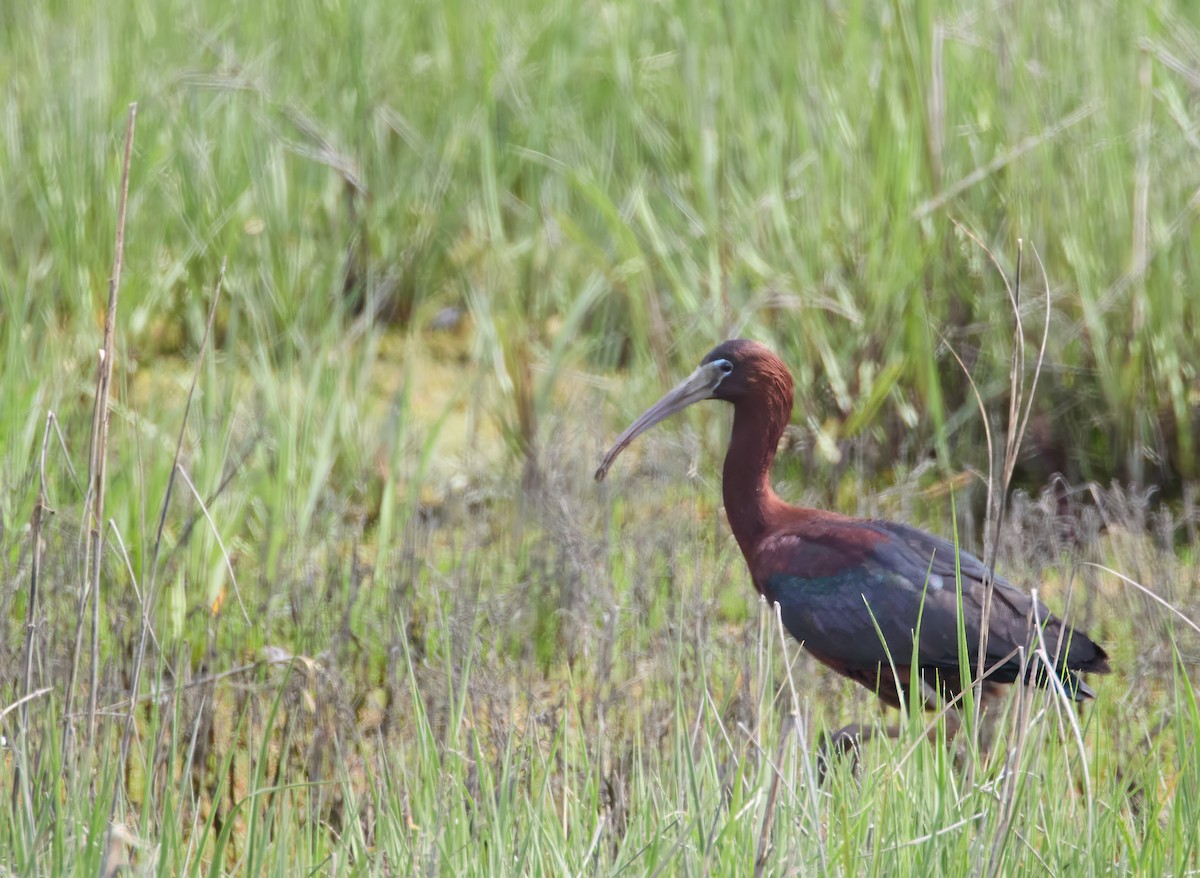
{"x": 865, "y": 597}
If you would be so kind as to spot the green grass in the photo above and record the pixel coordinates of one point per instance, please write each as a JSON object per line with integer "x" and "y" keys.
{"x": 443, "y": 649}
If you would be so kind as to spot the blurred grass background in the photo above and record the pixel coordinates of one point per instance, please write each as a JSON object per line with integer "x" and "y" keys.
{"x": 611, "y": 185}
{"x": 465, "y": 243}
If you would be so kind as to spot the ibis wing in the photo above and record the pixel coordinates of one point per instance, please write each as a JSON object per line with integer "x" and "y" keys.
{"x": 1013, "y": 613}
{"x": 857, "y": 592}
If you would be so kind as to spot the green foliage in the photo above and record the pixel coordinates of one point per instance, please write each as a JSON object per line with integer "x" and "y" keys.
{"x": 598, "y": 183}
{"x": 394, "y": 625}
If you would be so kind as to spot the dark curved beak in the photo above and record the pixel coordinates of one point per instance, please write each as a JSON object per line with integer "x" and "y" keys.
{"x": 701, "y": 384}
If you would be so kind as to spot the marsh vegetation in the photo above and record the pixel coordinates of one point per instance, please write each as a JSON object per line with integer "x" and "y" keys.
{"x": 384, "y": 622}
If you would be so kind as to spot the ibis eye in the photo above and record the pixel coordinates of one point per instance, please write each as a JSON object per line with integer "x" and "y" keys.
{"x": 725, "y": 366}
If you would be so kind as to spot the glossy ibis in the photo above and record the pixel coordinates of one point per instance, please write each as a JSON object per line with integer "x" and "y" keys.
{"x": 853, "y": 591}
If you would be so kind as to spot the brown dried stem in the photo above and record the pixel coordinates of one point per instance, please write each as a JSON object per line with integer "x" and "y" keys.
{"x": 41, "y": 507}
{"x": 97, "y": 463}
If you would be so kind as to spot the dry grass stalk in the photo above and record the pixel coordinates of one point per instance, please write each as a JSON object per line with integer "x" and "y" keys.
{"x": 40, "y": 508}
{"x": 98, "y": 469}
{"x": 97, "y": 459}
{"x": 984, "y": 171}
{"x": 1020, "y": 407}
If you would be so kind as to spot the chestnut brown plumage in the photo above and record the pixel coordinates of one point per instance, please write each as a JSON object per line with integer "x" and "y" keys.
{"x": 856, "y": 592}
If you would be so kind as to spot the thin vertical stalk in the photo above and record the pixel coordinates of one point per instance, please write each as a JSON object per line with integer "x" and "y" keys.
{"x": 35, "y": 569}
{"x": 97, "y": 466}
{"x": 100, "y": 422}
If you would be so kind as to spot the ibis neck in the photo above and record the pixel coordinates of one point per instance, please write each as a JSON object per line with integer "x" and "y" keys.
{"x": 750, "y": 502}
